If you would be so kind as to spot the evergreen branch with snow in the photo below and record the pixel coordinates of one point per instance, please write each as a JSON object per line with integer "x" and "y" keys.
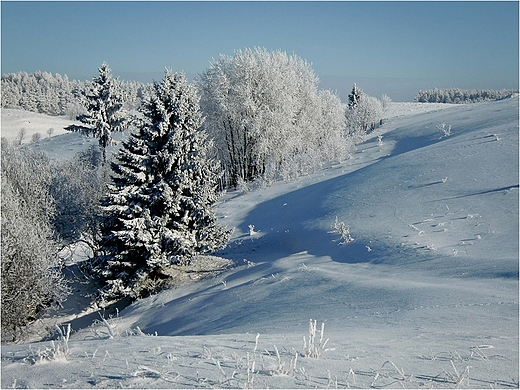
{"x": 159, "y": 210}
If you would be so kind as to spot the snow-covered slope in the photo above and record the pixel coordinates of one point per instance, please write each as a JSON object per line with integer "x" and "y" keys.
{"x": 59, "y": 144}
{"x": 425, "y": 295}
{"x": 15, "y": 119}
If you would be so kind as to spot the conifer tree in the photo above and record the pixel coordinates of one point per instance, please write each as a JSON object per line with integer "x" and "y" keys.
{"x": 354, "y": 97}
{"x": 159, "y": 209}
{"x": 104, "y": 109}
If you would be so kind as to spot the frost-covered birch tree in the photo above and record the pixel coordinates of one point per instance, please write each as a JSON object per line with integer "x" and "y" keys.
{"x": 159, "y": 208}
{"x": 267, "y": 116}
{"x": 104, "y": 105}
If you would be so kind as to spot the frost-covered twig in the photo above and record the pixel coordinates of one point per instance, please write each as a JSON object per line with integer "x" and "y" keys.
{"x": 107, "y": 325}
{"x": 446, "y": 129}
{"x": 458, "y": 378}
{"x": 312, "y": 348}
{"x": 250, "y": 372}
{"x": 64, "y": 336}
{"x": 256, "y": 342}
{"x": 148, "y": 372}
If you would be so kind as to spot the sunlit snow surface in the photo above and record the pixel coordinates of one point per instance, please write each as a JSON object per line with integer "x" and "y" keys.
{"x": 425, "y": 296}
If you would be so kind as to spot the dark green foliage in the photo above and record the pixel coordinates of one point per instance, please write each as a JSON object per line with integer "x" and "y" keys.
{"x": 158, "y": 210}
{"x": 104, "y": 105}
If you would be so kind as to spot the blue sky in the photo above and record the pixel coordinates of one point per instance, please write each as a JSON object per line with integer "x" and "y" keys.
{"x": 395, "y": 48}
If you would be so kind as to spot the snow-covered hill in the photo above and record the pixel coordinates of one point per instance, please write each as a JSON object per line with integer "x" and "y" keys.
{"x": 426, "y": 295}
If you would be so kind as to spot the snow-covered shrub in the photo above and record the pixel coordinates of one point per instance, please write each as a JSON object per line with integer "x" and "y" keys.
{"x": 363, "y": 113}
{"x": 159, "y": 207}
{"x": 113, "y": 327}
{"x": 21, "y": 136}
{"x": 268, "y": 117}
{"x": 446, "y": 129}
{"x": 385, "y": 102}
{"x": 36, "y": 137}
{"x": 280, "y": 365}
{"x": 313, "y": 347}
{"x": 31, "y": 272}
{"x": 77, "y": 187}
{"x": 58, "y": 350}
{"x": 344, "y": 231}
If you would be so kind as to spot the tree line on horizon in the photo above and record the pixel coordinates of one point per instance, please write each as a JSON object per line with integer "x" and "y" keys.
{"x": 461, "y": 96}
{"x": 45, "y": 93}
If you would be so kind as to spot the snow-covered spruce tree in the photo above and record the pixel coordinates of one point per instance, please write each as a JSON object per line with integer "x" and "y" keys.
{"x": 104, "y": 104}
{"x": 354, "y": 96}
{"x": 159, "y": 208}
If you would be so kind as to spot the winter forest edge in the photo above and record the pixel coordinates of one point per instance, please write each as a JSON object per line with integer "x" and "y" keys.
{"x": 264, "y": 120}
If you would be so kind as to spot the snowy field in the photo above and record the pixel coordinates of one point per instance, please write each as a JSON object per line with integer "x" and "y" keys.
{"x": 425, "y": 296}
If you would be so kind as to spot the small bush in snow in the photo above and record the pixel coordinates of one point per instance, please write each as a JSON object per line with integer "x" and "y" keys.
{"x": 58, "y": 350}
{"x": 446, "y": 129}
{"x": 344, "y": 231}
{"x": 21, "y": 135}
{"x": 280, "y": 365}
{"x": 313, "y": 347}
{"x": 36, "y": 137}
